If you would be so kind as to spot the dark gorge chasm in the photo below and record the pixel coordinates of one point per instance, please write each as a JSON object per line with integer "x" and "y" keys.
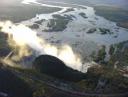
{"x": 53, "y": 66}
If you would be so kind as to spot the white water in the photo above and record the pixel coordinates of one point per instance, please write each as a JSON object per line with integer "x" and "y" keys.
{"x": 79, "y": 26}
{"x": 80, "y": 23}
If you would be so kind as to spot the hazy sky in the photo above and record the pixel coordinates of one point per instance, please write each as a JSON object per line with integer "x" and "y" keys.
{"x": 9, "y": 1}
{"x": 119, "y": 3}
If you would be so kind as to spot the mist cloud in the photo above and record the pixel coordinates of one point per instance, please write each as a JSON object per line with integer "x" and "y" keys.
{"x": 23, "y": 38}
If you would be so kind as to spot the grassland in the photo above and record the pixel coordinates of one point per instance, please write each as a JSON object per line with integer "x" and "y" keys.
{"x": 114, "y": 14}
{"x": 17, "y": 13}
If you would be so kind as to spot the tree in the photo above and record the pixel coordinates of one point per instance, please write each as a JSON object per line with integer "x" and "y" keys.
{"x": 101, "y": 55}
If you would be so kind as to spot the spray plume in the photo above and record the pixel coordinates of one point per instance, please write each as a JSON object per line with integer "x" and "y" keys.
{"x": 28, "y": 1}
{"x": 23, "y": 38}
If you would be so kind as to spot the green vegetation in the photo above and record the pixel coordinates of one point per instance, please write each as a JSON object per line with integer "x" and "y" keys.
{"x": 2, "y": 40}
{"x": 13, "y": 85}
{"x": 4, "y": 47}
{"x": 34, "y": 26}
{"x": 83, "y": 15}
{"x": 112, "y": 49}
{"x": 101, "y": 55}
{"x": 40, "y": 21}
{"x": 105, "y": 31}
{"x": 18, "y": 13}
{"x": 115, "y": 82}
{"x": 39, "y": 92}
{"x": 120, "y": 55}
{"x": 90, "y": 31}
{"x": 114, "y": 14}
{"x": 59, "y": 23}
{"x": 35, "y": 80}
{"x": 102, "y": 31}
{"x": 123, "y": 24}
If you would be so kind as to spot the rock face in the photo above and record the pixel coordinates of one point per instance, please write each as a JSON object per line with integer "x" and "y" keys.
{"x": 49, "y": 65}
{"x": 53, "y": 66}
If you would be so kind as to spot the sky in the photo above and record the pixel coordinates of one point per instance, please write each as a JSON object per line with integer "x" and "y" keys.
{"x": 118, "y": 3}
{"x": 121, "y": 3}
